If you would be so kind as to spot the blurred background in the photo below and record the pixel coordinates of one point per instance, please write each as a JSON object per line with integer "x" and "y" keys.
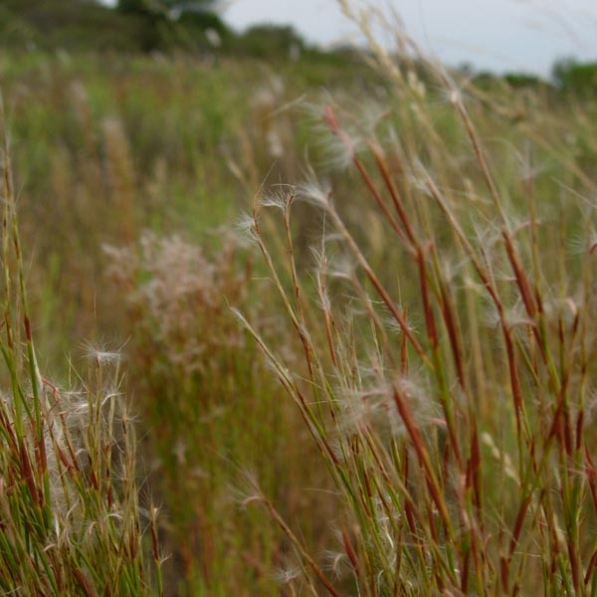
{"x": 498, "y": 35}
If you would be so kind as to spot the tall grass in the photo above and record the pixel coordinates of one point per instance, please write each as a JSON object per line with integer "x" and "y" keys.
{"x": 213, "y": 411}
{"x": 423, "y": 295}
{"x": 449, "y": 350}
{"x": 144, "y": 173}
{"x": 70, "y": 517}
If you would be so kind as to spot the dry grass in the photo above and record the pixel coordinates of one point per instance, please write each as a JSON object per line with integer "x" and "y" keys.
{"x": 452, "y": 397}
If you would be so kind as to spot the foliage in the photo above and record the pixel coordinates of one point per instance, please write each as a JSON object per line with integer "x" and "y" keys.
{"x": 79, "y": 25}
{"x": 272, "y": 41}
{"x": 167, "y": 23}
{"x": 137, "y": 26}
{"x": 576, "y": 78}
{"x": 72, "y": 523}
{"x": 66, "y": 24}
{"x": 165, "y": 6}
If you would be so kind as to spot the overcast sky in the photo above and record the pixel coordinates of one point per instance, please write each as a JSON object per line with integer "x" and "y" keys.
{"x": 499, "y": 35}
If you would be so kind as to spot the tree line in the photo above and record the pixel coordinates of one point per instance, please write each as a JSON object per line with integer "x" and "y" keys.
{"x": 140, "y": 26}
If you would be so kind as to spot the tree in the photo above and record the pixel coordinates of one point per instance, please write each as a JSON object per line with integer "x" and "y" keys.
{"x": 271, "y": 41}
{"x": 163, "y": 22}
{"x": 576, "y": 77}
{"x": 167, "y": 8}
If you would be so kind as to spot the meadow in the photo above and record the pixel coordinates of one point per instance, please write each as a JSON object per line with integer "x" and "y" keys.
{"x": 295, "y": 331}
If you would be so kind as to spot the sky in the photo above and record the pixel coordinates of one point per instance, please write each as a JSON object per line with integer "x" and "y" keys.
{"x": 496, "y": 35}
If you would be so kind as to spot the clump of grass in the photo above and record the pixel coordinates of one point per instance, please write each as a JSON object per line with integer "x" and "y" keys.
{"x": 452, "y": 395}
{"x": 172, "y": 286}
{"x": 70, "y": 518}
{"x": 211, "y": 408}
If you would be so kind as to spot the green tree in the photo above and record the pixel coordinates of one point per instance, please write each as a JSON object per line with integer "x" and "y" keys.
{"x": 271, "y": 42}
{"x": 168, "y": 8}
{"x": 163, "y": 22}
{"x": 576, "y": 77}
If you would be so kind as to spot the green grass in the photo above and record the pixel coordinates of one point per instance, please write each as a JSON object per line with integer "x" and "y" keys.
{"x": 72, "y": 523}
{"x": 385, "y": 387}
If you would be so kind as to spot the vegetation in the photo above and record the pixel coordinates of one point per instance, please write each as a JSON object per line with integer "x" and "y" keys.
{"x": 576, "y": 79}
{"x": 72, "y": 523}
{"x": 379, "y": 381}
{"x": 141, "y": 26}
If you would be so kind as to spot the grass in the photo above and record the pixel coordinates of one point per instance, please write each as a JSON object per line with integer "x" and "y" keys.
{"x": 451, "y": 397}
{"x": 72, "y": 523}
{"x": 461, "y": 443}
{"x": 394, "y": 360}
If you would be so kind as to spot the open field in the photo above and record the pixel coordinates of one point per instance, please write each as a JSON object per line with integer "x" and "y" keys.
{"x": 349, "y": 312}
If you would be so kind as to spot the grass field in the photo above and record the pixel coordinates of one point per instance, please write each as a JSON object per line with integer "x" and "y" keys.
{"x": 295, "y": 334}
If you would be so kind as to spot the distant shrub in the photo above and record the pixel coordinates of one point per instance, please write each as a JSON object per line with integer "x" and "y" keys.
{"x": 271, "y": 42}
{"x": 575, "y": 77}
